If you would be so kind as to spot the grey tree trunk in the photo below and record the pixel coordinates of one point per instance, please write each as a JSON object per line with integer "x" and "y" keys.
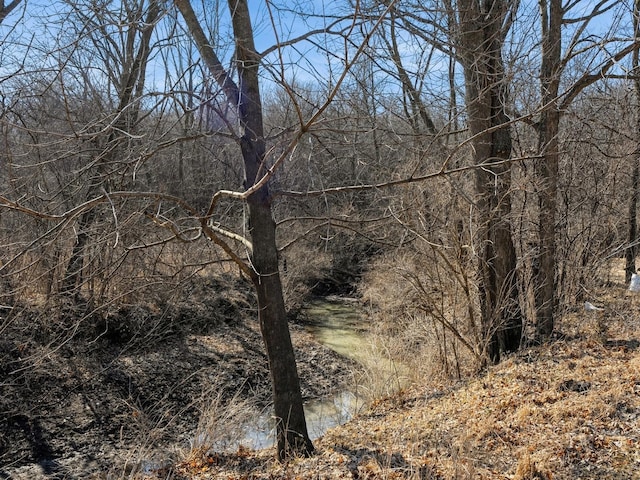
{"x": 632, "y": 249}
{"x": 632, "y": 236}
{"x": 547, "y": 170}
{"x": 481, "y": 38}
{"x": 553, "y": 104}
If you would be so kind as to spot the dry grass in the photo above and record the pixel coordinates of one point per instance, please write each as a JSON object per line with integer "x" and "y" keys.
{"x": 567, "y": 410}
{"x": 221, "y": 421}
{"x": 423, "y": 314}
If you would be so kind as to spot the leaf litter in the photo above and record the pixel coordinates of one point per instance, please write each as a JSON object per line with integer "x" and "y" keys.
{"x": 568, "y": 409}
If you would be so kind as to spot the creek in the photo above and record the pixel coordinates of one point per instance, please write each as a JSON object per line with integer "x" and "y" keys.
{"x": 337, "y": 324}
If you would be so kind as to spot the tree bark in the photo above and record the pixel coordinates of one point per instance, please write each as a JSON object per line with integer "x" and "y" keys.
{"x": 632, "y": 239}
{"x": 548, "y": 129}
{"x": 553, "y": 105}
{"x": 291, "y": 426}
{"x": 632, "y": 236}
{"x": 480, "y": 33}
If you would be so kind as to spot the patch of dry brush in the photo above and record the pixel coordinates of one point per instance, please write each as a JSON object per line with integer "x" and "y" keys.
{"x": 566, "y": 410}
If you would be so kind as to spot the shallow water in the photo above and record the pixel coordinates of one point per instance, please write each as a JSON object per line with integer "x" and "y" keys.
{"x": 321, "y": 415}
{"x": 337, "y": 325}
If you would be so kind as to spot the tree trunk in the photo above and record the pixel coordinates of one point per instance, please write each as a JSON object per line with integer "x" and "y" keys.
{"x": 481, "y": 39}
{"x": 632, "y": 249}
{"x": 548, "y": 130}
{"x": 545, "y": 282}
{"x": 291, "y": 426}
{"x": 501, "y": 313}
{"x": 73, "y": 274}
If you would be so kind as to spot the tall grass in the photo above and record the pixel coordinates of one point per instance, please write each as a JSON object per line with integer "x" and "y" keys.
{"x": 425, "y": 315}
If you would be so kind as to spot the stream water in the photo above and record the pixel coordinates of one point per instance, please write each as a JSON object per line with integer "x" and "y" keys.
{"x": 338, "y": 325}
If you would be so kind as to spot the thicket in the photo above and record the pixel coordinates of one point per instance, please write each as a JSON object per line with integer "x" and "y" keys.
{"x": 115, "y": 141}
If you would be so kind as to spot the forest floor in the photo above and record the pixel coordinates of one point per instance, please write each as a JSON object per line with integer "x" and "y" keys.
{"x": 569, "y": 409}
{"x": 88, "y": 398}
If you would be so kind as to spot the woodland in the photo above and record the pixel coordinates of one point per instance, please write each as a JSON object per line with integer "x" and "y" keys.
{"x": 467, "y": 171}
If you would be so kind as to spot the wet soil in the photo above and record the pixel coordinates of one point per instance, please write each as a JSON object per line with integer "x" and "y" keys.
{"x": 94, "y": 397}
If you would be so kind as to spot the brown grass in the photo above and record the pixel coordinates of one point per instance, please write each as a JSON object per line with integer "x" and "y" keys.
{"x": 569, "y": 409}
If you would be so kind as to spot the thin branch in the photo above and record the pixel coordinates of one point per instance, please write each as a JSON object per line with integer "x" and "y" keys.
{"x": 403, "y": 181}
{"x": 79, "y": 209}
{"x": 6, "y": 9}
{"x": 220, "y": 74}
{"x": 589, "y": 79}
{"x": 233, "y": 236}
{"x": 304, "y": 127}
{"x": 306, "y": 36}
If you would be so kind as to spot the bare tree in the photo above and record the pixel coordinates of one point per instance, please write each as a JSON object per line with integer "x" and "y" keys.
{"x": 130, "y": 64}
{"x": 632, "y": 238}
{"x": 480, "y": 32}
{"x": 244, "y": 97}
{"x": 553, "y": 104}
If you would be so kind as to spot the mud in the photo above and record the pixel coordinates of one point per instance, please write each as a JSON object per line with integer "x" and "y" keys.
{"x": 105, "y": 399}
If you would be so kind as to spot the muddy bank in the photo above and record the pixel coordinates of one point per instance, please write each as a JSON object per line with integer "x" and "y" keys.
{"x": 97, "y": 403}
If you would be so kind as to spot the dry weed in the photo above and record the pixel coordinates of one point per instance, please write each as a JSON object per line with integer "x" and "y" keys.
{"x": 527, "y": 469}
{"x": 223, "y": 422}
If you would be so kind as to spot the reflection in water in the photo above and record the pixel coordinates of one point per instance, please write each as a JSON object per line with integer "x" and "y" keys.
{"x": 340, "y": 326}
{"x": 321, "y": 415}
{"x": 324, "y": 414}
{"x": 337, "y": 325}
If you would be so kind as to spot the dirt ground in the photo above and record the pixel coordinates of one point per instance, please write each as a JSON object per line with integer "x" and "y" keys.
{"x": 98, "y": 401}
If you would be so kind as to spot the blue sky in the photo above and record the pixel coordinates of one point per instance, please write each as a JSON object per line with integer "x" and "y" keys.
{"x": 305, "y": 61}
